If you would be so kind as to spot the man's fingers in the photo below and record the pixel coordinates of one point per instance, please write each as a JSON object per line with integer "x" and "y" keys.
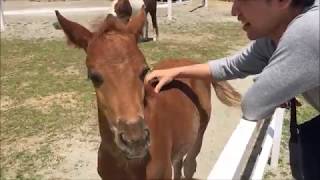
{"x": 160, "y": 84}
{"x": 298, "y": 103}
{"x": 158, "y": 79}
{"x": 285, "y": 105}
{"x": 148, "y": 78}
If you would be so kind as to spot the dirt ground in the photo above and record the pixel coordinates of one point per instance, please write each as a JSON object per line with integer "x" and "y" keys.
{"x": 80, "y": 151}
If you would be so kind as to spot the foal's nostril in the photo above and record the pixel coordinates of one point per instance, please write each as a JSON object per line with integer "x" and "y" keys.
{"x": 123, "y": 138}
{"x": 147, "y": 135}
{"x": 144, "y": 140}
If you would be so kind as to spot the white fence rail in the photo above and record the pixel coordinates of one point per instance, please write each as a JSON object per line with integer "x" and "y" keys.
{"x": 234, "y": 156}
{"x": 50, "y": 11}
{"x": 42, "y": 11}
{"x": 1, "y": 16}
{"x": 270, "y": 141}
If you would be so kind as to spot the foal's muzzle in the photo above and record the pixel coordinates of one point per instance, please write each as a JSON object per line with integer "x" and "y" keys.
{"x": 133, "y": 138}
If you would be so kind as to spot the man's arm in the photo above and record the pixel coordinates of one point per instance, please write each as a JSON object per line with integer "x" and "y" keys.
{"x": 294, "y": 69}
{"x": 250, "y": 61}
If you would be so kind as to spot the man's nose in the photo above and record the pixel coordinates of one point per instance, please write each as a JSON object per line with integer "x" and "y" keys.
{"x": 235, "y": 8}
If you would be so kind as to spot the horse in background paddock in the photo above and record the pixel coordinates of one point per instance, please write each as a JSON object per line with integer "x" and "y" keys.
{"x": 125, "y": 9}
{"x": 143, "y": 134}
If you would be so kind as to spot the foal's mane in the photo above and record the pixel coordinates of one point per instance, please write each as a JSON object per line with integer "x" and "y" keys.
{"x": 109, "y": 24}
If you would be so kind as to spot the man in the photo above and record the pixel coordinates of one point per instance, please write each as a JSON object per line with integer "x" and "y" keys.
{"x": 284, "y": 52}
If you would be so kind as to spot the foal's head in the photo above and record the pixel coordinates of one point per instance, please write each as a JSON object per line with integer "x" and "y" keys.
{"x": 116, "y": 68}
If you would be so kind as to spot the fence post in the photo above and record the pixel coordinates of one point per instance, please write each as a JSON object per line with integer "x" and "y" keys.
{"x": 169, "y": 10}
{"x": 276, "y": 141}
{"x": 232, "y": 158}
{"x": 205, "y": 3}
{"x": 1, "y": 16}
{"x": 267, "y": 145}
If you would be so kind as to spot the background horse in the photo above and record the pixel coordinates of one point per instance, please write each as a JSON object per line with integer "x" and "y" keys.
{"x": 124, "y": 9}
{"x": 142, "y": 134}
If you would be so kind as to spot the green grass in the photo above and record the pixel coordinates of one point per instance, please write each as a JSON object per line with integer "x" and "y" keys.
{"x": 27, "y": 73}
{"x": 38, "y": 69}
{"x": 225, "y": 37}
{"x": 31, "y": 161}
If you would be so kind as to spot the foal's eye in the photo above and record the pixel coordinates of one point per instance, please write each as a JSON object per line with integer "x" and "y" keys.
{"x": 144, "y": 73}
{"x": 96, "y": 78}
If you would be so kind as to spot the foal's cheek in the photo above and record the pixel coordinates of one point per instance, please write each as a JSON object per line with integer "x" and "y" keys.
{"x": 102, "y": 100}
{"x": 100, "y": 96}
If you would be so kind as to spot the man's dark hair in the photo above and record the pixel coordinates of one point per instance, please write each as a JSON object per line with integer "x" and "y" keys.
{"x": 302, "y": 3}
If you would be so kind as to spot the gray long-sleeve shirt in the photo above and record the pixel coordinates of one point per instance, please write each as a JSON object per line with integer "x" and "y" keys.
{"x": 290, "y": 69}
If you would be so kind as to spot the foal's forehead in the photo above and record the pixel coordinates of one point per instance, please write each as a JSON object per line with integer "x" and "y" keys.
{"x": 106, "y": 46}
{"x": 113, "y": 55}
{"x": 115, "y": 47}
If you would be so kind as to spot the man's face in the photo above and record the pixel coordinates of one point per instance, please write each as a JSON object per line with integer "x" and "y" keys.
{"x": 259, "y": 18}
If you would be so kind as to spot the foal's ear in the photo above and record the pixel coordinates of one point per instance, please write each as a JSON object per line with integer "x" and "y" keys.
{"x": 77, "y": 34}
{"x": 136, "y": 23}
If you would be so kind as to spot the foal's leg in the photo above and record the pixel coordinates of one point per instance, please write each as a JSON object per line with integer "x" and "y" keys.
{"x": 153, "y": 15}
{"x": 159, "y": 166}
{"x": 146, "y": 24}
{"x": 177, "y": 167}
{"x": 190, "y": 163}
{"x": 159, "y": 170}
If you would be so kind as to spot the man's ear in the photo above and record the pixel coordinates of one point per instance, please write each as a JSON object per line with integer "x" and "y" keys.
{"x": 137, "y": 22}
{"x": 77, "y": 34}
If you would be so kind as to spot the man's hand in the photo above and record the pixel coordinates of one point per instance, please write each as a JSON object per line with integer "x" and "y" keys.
{"x": 163, "y": 77}
{"x": 287, "y": 104}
